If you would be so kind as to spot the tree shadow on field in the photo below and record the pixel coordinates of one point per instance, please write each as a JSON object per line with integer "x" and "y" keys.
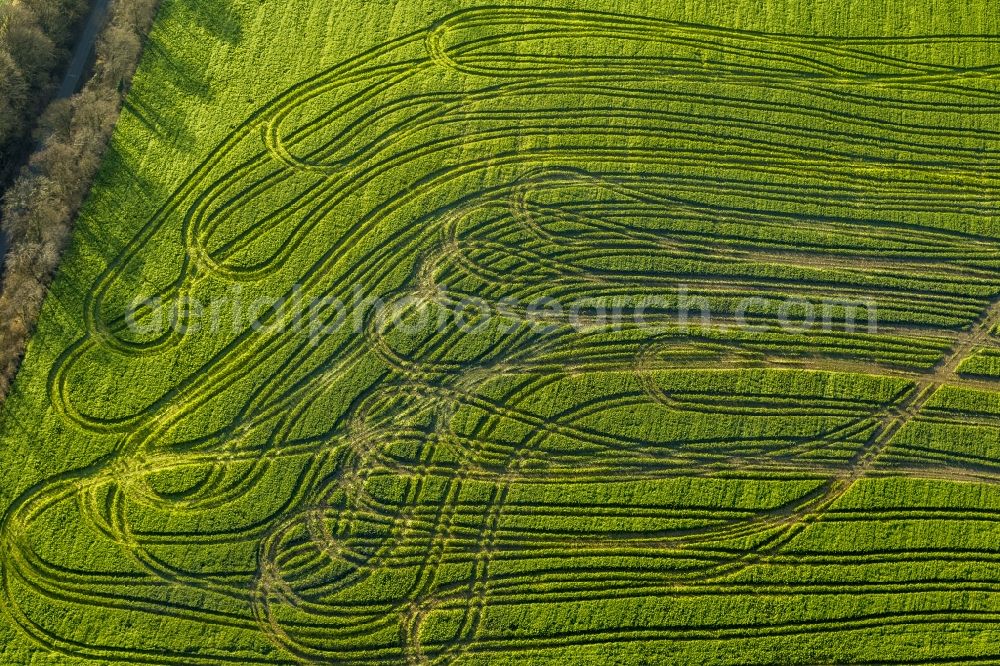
{"x": 122, "y": 198}
{"x": 173, "y": 65}
{"x": 168, "y": 75}
{"x": 180, "y": 69}
{"x": 164, "y": 124}
{"x": 220, "y": 19}
{"x": 216, "y": 17}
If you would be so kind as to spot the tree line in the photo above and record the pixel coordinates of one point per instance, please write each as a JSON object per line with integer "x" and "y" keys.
{"x": 41, "y": 203}
{"x": 34, "y": 40}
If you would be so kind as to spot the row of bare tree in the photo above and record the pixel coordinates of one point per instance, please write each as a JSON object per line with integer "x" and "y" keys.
{"x": 41, "y": 204}
{"x": 34, "y": 35}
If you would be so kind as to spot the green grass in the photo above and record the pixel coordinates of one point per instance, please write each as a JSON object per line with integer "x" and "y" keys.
{"x": 521, "y": 490}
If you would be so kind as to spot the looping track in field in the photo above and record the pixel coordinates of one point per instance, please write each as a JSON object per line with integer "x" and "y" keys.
{"x": 415, "y": 492}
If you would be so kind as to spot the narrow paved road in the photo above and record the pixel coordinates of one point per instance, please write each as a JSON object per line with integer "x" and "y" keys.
{"x": 81, "y": 52}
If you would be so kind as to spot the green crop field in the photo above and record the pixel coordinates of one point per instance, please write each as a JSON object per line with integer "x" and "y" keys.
{"x": 565, "y": 331}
